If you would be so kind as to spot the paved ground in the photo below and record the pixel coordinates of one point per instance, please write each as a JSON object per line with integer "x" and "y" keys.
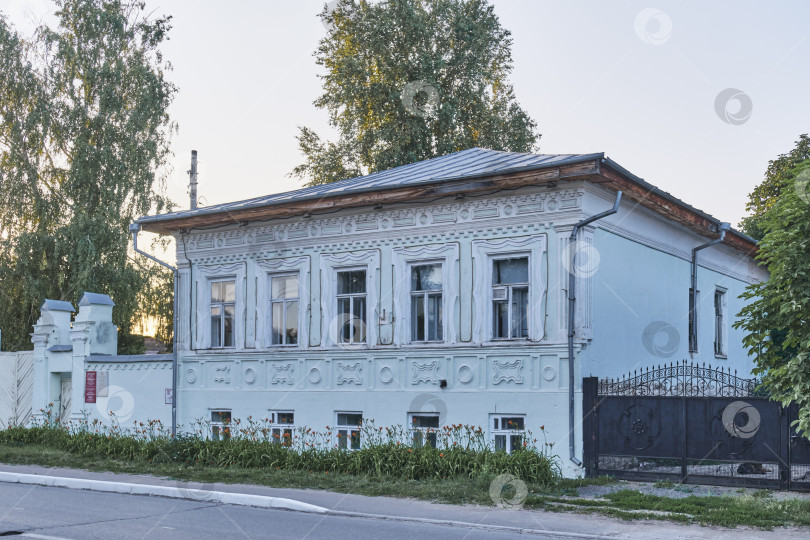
{"x": 679, "y": 491}
{"x": 64, "y": 513}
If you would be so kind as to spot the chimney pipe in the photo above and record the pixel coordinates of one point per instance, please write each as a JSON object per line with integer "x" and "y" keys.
{"x": 193, "y": 180}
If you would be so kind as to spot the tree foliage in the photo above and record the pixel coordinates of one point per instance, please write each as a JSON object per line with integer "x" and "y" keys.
{"x": 407, "y": 80}
{"x": 83, "y": 131}
{"x": 767, "y": 193}
{"x": 778, "y": 316}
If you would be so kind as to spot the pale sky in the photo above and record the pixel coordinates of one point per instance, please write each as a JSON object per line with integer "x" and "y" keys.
{"x": 636, "y": 80}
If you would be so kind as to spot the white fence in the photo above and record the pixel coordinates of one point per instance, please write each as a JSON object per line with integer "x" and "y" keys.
{"x": 16, "y": 387}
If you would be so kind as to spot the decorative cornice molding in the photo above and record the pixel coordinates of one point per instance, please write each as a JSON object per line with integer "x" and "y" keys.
{"x": 442, "y": 217}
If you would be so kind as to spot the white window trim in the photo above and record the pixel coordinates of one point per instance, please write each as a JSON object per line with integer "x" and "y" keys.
{"x": 331, "y": 265}
{"x": 341, "y": 427}
{"x": 274, "y": 426}
{"x": 412, "y": 429}
{"x": 205, "y": 275}
{"x": 493, "y": 432}
{"x": 265, "y": 270}
{"x": 484, "y": 253}
{"x": 220, "y": 424}
{"x": 723, "y": 353}
{"x": 404, "y": 260}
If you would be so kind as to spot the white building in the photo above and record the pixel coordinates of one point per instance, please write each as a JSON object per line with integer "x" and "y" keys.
{"x": 437, "y": 293}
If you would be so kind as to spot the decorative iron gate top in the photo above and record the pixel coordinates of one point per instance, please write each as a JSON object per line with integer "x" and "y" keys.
{"x": 680, "y": 379}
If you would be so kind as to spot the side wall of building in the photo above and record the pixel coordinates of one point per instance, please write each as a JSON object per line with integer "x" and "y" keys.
{"x": 641, "y": 284}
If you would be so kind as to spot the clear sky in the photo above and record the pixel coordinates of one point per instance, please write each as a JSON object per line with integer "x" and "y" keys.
{"x": 636, "y": 80}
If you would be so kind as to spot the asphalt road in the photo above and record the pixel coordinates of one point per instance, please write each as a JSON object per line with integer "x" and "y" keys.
{"x": 58, "y": 513}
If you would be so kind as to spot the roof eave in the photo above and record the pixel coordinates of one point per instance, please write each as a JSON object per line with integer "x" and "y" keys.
{"x": 583, "y": 166}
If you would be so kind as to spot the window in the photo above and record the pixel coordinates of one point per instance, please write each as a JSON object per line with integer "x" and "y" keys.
{"x": 223, "y": 307}
{"x": 423, "y": 429}
{"x": 510, "y": 298}
{"x": 719, "y": 322}
{"x": 282, "y": 427}
{"x": 508, "y": 432}
{"x": 284, "y": 309}
{"x": 351, "y": 306}
{"x": 693, "y": 303}
{"x": 426, "y": 303}
{"x": 348, "y": 430}
{"x": 220, "y": 425}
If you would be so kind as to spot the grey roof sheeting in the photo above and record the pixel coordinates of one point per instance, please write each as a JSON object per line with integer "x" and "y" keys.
{"x": 466, "y": 164}
{"x": 57, "y": 305}
{"x": 60, "y": 348}
{"x": 95, "y": 299}
{"x": 470, "y": 163}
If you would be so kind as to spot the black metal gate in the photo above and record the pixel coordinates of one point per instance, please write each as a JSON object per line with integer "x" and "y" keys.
{"x": 691, "y": 424}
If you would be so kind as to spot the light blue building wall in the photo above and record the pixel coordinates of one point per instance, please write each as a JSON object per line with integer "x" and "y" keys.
{"x": 641, "y": 309}
{"x": 632, "y": 311}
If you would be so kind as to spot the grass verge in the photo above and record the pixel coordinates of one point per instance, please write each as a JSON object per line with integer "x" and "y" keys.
{"x": 758, "y": 510}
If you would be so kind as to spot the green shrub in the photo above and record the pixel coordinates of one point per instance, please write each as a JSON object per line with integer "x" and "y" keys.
{"x": 462, "y": 450}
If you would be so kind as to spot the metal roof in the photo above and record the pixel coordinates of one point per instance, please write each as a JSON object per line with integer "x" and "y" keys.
{"x": 470, "y": 163}
{"x": 56, "y": 305}
{"x": 60, "y": 348}
{"x": 462, "y": 165}
{"x": 95, "y": 299}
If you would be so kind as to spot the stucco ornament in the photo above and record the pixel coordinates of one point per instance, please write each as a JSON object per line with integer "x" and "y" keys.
{"x": 508, "y": 371}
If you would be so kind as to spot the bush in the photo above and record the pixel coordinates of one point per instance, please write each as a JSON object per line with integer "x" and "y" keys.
{"x": 461, "y": 451}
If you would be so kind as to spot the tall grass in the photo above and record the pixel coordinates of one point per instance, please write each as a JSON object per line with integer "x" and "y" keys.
{"x": 461, "y": 450}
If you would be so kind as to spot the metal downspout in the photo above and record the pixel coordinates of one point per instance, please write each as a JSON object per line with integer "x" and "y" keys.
{"x": 135, "y": 229}
{"x": 724, "y": 227}
{"x": 571, "y": 304}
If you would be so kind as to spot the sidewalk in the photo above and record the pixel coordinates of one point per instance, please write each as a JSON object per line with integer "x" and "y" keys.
{"x": 573, "y": 525}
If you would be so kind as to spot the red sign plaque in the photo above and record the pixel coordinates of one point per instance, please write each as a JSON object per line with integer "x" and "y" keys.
{"x": 90, "y": 387}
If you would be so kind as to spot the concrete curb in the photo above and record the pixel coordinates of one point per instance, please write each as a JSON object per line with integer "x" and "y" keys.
{"x": 260, "y": 501}
{"x": 199, "y": 495}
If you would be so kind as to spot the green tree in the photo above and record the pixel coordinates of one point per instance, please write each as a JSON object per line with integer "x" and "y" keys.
{"x": 407, "y": 80}
{"x": 767, "y": 193}
{"x": 83, "y": 131}
{"x": 778, "y": 316}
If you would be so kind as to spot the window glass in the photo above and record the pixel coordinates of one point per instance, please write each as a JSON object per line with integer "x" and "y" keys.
{"x": 348, "y": 430}
{"x": 352, "y": 282}
{"x": 426, "y": 303}
{"x": 220, "y": 425}
{"x": 508, "y": 432}
{"x": 426, "y": 277}
{"x": 284, "y": 287}
{"x": 228, "y": 330}
{"x": 223, "y": 309}
{"x": 506, "y": 271}
{"x": 292, "y": 323}
{"x": 510, "y": 298}
{"x": 351, "y": 306}
{"x": 350, "y": 419}
{"x": 284, "y": 424}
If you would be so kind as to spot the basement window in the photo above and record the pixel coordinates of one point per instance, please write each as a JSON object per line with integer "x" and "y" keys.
{"x": 220, "y": 425}
{"x": 282, "y": 427}
{"x": 507, "y": 431}
{"x": 348, "y": 430}
{"x": 424, "y": 428}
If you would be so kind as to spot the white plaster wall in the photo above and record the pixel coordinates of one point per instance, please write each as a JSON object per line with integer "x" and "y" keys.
{"x": 136, "y": 392}
{"x": 642, "y": 277}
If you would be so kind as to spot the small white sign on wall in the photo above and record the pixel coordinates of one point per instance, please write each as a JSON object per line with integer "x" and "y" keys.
{"x": 168, "y": 397}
